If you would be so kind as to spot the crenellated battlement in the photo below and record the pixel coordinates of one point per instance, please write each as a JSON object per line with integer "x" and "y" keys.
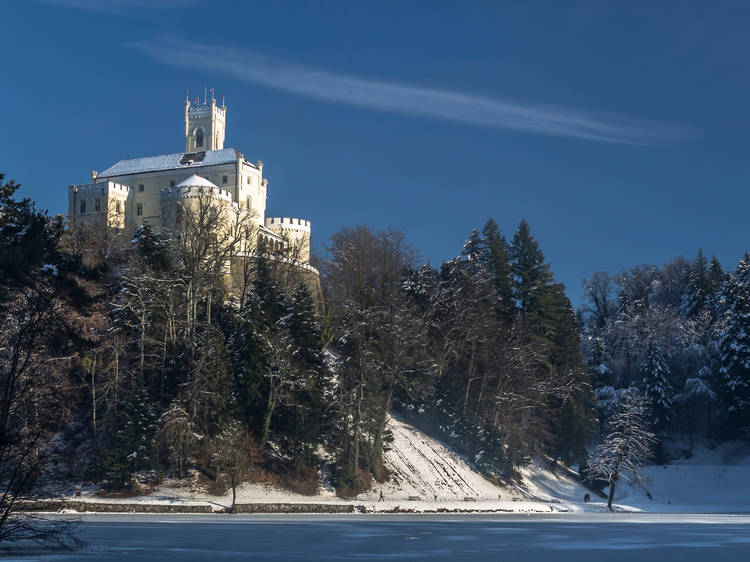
{"x": 275, "y": 223}
{"x": 190, "y": 191}
{"x": 100, "y": 188}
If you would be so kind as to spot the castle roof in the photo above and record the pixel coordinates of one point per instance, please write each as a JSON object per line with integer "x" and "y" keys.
{"x": 177, "y": 161}
{"x": 196, "y": 181}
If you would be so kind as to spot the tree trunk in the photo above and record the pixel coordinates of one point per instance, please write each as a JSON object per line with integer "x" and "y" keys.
{"x": 270, "y": 406}
{"x": 470, "y": 379}
{"x": 93, "y": 396}
{"x": 611, "y": 494}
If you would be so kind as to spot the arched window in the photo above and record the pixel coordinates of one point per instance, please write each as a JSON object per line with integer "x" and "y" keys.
{"x": 198, "y": 138}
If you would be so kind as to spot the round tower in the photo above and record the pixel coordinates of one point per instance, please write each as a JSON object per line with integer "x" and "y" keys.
{"x": 296, "y": 232}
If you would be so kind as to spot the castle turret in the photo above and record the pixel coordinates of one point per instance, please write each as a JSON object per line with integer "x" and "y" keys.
{"x": 205, "y": 126}
{"x": 297, "y": 234}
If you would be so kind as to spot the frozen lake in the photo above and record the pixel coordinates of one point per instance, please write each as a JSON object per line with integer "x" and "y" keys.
{"x": 610, "y": 537}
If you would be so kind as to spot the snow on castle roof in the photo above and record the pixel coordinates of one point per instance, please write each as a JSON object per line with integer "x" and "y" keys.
{"x": 178, "y": 161}
{"x": 196, "y": 181}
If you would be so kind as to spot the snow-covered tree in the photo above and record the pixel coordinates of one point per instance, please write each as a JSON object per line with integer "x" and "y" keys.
{"x": 735, "y": 349}
{"x": 656, "y": 386}
{"x": 698, "y": 289}
{"x": 696, "y": 395}
{"x": 627, "y": 444}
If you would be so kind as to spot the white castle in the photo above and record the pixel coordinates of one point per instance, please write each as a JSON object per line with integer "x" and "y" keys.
{"x": 135, "y": 192}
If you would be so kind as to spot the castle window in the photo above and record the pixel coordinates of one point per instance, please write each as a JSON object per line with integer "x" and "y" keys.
{"x": 97, "y": 205}
{"x": 83, "y": 206}
{"x": 249, "y": 180}
{"x": 139, "y": 209}
{"x": 140, "y": 187}
{"x": 224, "y": 179}
{"x": 118, "y": 207}
{"x": 199, "y": 138}
{"x": 171, "y": 183}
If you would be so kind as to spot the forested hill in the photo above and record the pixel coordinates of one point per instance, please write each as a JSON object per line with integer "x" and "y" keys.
{"x": 125, "y": 359}
{"x": 678, "y": 334}
{"x": 138, "y": 357}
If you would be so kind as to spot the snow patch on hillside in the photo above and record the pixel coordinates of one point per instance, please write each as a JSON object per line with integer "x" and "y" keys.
{"x": 712, "y": 480}
{"x": 427, "y": 475}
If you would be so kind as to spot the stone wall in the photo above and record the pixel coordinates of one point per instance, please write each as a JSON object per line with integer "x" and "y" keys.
{"x": 54, "y": 506}
{"x": 296, "y": 508}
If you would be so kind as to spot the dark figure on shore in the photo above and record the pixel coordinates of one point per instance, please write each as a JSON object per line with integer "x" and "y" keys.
{"x": 649, "y": 496}
{"x": 382, "y": 497}
{"x": 587, "y": 498}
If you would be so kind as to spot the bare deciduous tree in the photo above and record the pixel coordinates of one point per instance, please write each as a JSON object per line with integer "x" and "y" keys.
{"x": 627, "y": 444}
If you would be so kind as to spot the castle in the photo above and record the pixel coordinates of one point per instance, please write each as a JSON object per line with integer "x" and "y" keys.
{"x": 147, "y": 190}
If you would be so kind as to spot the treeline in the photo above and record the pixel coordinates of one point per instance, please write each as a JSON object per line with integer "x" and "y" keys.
{"x": 484, "y": 350}
{"x": 194, "y": 351}
{"x": 679, "y": 335}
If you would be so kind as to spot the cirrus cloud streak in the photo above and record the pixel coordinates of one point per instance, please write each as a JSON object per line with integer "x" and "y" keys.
{"x": 493, "y": 112}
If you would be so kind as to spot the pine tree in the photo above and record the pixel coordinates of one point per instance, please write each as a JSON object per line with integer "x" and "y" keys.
{"x": 497, "y": 262}
{"x": 303, "y": 412}
{"x": 657, "y": 387}
{"x": 715, "y": 275}
{"x": 735, "y": 350}
{"x": 206, "y": 392}
{"x": 571, "y": 398}
{"x": 474, "y": 248}
{"x": 715, "y": 282}
{"x": 531, "y": 273}
{"x": 698, "y": 289}
{"x": 132, "y": 447}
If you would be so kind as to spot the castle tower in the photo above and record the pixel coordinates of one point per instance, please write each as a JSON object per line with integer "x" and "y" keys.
{"x": 204, "y": 126}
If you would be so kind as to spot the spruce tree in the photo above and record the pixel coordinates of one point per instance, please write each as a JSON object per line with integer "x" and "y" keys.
{"x": 735, "y": 350}
{"x": 657, "y": 387}
{"x": 715, "y": 283}
{"x": 571, "y": 399}
{"x": 497, "y": 262}
{"x": 715, "y": 274}
{"x": 474, "y": 250}
{"x": 305, "y": 410}
{"x": 697, "y": 291}
{"x": 131, "y": 449}
{"x": 531, "y": 273}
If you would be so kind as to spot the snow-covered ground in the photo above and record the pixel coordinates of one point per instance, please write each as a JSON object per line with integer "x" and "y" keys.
{"x": 424, "y": 468}
{"x": 427, "y": 476}
{"x": 711, "y": 481}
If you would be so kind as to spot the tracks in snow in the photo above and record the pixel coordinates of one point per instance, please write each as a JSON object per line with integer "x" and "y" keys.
{"x": 422, "y": 466}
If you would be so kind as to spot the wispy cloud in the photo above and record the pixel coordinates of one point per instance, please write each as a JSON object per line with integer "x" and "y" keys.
{"x": 322, "y": 85}
{"x": 134, "y": 8}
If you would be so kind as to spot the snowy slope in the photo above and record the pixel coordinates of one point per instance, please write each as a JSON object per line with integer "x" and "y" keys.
{"x": 711, "y": 481}
{"x": 423, "y": 467}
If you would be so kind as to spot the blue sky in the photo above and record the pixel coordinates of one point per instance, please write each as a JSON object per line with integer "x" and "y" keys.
{"x": 619, "y": 130}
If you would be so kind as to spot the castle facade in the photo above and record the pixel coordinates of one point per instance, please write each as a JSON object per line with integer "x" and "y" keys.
{"x": 134, "y": 192}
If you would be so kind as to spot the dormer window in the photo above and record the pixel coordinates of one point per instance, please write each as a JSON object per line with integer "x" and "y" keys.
{"x": 199, "y": 138}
